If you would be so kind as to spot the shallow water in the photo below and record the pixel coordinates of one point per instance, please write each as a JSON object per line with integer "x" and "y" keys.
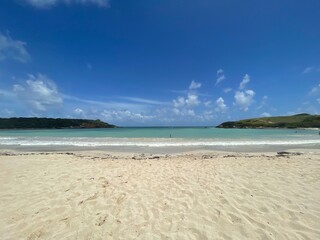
{"x": 165, "y": 138}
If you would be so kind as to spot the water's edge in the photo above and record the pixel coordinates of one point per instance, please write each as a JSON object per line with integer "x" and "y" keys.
{"x": 159, "y": 139}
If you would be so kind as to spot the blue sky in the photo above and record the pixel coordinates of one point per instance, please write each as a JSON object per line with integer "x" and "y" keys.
{"x": 169, "y": 62}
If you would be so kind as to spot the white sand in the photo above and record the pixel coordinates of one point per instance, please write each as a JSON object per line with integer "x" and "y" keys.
{"x": 95, "y": 195}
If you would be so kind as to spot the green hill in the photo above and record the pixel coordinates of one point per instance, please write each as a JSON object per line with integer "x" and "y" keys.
{"x": 296, "y": 121}
{"x": 49, "y": 123}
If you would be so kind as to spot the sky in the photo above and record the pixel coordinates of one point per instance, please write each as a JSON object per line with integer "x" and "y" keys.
{"x": 159, "y": 63}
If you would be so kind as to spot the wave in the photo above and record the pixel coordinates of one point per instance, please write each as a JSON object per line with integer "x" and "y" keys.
{"x": 116, "y": 142}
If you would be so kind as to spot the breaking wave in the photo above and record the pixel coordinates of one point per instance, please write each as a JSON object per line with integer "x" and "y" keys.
{"x": 145, "y": 142}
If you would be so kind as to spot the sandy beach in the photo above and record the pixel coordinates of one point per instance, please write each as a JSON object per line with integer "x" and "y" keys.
{"x": 196, "y": 195}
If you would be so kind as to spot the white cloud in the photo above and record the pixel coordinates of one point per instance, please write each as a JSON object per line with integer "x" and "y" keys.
{"x": 191, "y": 112}
{"x": 179, "y": 102}
{"x": 265, "y": 114}
{"x": 220, "y": 71}
{"x": 308, "y": 69}
{"x": 314, "y": 90}
{"x": 243, "y": 99}
{"x": 45, "y": 4}
{"x": 226, "y": 90}
{"x": 39, "y": 92}
{"x": 192, "y": 100}
{"x": 183, "y": 115}
{"x": 220, "y": 79}
{"x": 79, "y": 111}
{"x": 220, "y": 76}
{"x": 245, "y": 80}
{"x": 194, "y": 85}
{"x": 184, "y": 112}
{"x": 183, "y": 106}
{"x": 125, "y": 115}
{"x": 207, "y": 116}
{"x": 176, "y": 111}
{"x": 207, "y": 103}
{"x": 264, "y": 99}
{"x": 13, "y": 49}
{"x": 220, "y": 105}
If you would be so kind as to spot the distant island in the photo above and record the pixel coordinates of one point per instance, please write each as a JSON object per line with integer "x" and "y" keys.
{"x": 296, "y": 121}
{"x": 51, "y": 123}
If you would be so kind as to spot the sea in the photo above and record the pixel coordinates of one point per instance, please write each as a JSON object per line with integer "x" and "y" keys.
{"x": 160, "y": 139}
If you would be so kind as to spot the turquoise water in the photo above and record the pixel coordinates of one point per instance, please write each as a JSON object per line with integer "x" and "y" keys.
{"x": 166, "y": 132}
{"x": 166, "y": 137}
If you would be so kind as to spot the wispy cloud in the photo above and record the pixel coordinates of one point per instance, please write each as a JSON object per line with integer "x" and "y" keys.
{"x": 265, "y": 114}
{"x": 13, "y": 49}
{"x": 144, "y": 100}
{"x": 220, "y": 76}
{"x": 220, "y": 71}
{"x": 207, "y": 103}
{"x": 7, "y": 113}
{"x": 6, "y": 94}
{"x": 245, "y": 80}
{"x": 263, "y": 102}
{"x": 308, "y": 69}
{"x": 106, "y": 104}
{"x": 46, "y": 4}
{"x": 226, "y": 90}
{"x": 315, "y": 90}
{"x": 39, "y": 92}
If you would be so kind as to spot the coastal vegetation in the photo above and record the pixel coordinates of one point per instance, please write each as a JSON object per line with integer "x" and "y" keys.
{"x": 51, "y": 123}
{"x": 296, "y": 121}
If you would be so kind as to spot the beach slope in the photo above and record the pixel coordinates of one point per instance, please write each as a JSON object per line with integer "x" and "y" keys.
{"x": 214, "y": 195}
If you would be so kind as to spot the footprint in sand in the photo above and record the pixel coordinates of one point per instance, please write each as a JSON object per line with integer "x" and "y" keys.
{"x": 89, "y": 198}
{"x": 105, "y": 184}
{"x": 121, "y": 198}
{"x": 234, "y": 218}
{"x": 101, "y": 220}
{"x": 35, "y": 235}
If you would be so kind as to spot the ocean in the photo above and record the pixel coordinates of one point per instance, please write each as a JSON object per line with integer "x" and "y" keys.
{"x": 159, "y": 139}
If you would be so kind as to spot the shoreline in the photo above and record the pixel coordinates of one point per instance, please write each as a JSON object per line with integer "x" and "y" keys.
{"x": 164, "y": 146}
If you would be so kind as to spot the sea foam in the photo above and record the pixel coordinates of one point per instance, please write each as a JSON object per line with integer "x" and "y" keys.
{"x": 145, "y": 142}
